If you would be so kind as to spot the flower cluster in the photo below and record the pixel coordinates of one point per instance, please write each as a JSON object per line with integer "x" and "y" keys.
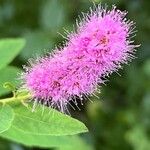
{"x": 98, "y": 47}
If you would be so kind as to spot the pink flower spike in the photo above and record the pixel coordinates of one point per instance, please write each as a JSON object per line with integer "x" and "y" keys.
{"x": 99, "y": 46}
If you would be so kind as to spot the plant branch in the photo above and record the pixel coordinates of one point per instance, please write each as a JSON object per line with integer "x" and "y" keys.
{"x": 15, "y": 98}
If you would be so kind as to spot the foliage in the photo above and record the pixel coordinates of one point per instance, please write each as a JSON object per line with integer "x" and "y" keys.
{"x": 119, "y": 118}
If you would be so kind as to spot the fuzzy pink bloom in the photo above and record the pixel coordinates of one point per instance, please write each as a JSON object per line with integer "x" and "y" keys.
{"x": 98, "y": 47}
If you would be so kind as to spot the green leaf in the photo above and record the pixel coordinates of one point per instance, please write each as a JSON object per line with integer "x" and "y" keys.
{"x": 37, "y": 129}
{"x": 6, "y": 117}
{"x": 9, "y": 49}
{"x": 47, "y": 122}
{"x": 65, "y": 142}
{"x": 8, "y": 74}
{"x": 77, "y": 143}
{"x": 31, "y": 140}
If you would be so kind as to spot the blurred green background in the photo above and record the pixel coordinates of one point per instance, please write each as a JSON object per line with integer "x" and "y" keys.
{"x": 120, "y": 117}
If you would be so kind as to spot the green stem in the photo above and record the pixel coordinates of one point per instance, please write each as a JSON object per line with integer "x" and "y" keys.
{"x": 14, "y": 99}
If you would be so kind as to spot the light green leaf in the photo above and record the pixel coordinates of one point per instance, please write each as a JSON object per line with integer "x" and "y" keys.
{"x": 66, "y": 142}
{"x": 47, "y": 122}
{"x": 6, "y": 117}
{"x": 8, "y": 74}
{"x": 9, "y": 49}
{"x": 35, "y": 129}
{"x": 77, "y": 143}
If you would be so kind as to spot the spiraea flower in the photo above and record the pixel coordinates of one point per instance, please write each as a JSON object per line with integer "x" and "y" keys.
{"x": 99, "y": 46}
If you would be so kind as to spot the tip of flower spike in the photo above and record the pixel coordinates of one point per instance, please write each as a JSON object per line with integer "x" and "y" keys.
{"x": 100, "y": 45}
